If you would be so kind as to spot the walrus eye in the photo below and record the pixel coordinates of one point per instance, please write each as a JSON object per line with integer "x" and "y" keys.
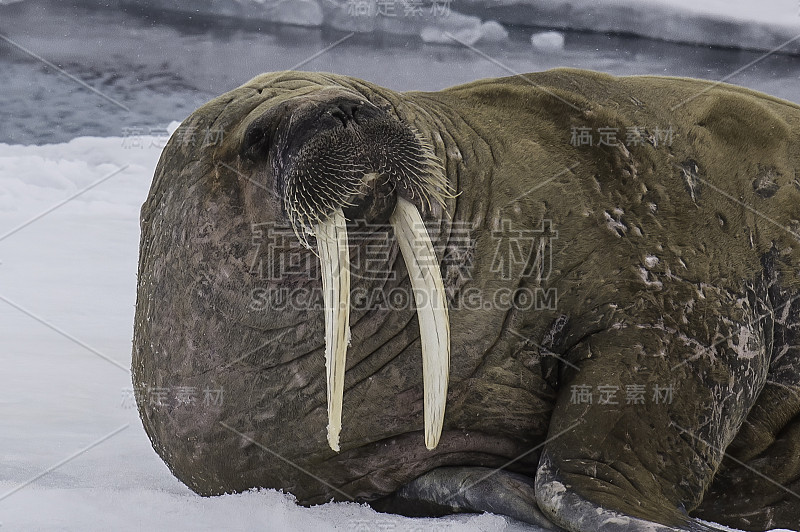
{"x": 256, "y": 143}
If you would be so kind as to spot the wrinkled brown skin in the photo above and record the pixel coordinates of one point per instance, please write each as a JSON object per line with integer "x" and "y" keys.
{"x": 719, "y": 208}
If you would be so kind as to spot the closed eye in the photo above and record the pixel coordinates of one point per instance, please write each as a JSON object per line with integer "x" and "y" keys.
{"x": 256, "y": 143}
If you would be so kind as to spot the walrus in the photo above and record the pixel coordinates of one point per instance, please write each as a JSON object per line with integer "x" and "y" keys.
{"x": 565, "y": 297}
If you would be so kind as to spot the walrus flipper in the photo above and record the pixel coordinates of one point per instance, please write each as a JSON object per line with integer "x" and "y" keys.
{"x": 636, "y": 437}
{"x": 582, "y": 514}
{"x": 761, "y": 491}
{"x": 448, "y": 490}
{"x": 758, "y": 484}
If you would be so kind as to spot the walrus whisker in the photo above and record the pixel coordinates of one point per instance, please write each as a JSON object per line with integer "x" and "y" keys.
{"x": 304, "y": 228}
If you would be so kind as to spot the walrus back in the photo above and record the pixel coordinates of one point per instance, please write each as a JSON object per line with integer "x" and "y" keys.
{"x": 719, "y": 162}
{"x": 711, "y": 179}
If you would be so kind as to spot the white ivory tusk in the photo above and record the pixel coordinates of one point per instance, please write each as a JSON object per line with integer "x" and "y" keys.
{"x": 432, "y": 314}
{"x": 334, "y": 257}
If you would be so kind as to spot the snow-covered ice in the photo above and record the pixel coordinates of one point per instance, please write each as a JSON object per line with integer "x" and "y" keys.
{"x": 751, "y": 25}
{"x": 548, "y": 40}
{"x": 464, "y": 29}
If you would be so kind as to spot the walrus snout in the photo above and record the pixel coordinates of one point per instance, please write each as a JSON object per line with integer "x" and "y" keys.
{"x": 334, "y": 149}
{"x": 338, "y": 112}
{"x": 300, "y": 118}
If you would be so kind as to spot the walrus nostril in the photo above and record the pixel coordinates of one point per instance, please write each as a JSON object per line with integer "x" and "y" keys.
{"x": 345, "y": 112}
{"x": 341, "y": 116}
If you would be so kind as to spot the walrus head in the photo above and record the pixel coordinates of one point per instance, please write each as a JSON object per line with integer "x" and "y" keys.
{"x": 329, "y": 160}
{"x": 332, "y": 155}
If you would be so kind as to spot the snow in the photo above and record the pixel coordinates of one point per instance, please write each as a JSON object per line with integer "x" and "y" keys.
{"x": 742, "y": 24}
{"x": 751, "y": 25}
{"x": 777, "y": 12}
{"x": 548, "y": 40}
{"x": 748, "y": 25}
{"x": 458, "y": 28}
{"x": 299, "y": 13}
{"x": 73, "y": 270}
{"x": 89, "y": 509}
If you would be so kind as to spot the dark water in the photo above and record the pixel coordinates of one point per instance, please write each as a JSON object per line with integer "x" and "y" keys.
{"x": 158, "y": 69}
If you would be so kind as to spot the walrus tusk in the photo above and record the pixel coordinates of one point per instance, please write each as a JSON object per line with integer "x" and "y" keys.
{"x": 334, "y": 257}
{"x": 432, "y": 314}
{"x": 434, "y": 324}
